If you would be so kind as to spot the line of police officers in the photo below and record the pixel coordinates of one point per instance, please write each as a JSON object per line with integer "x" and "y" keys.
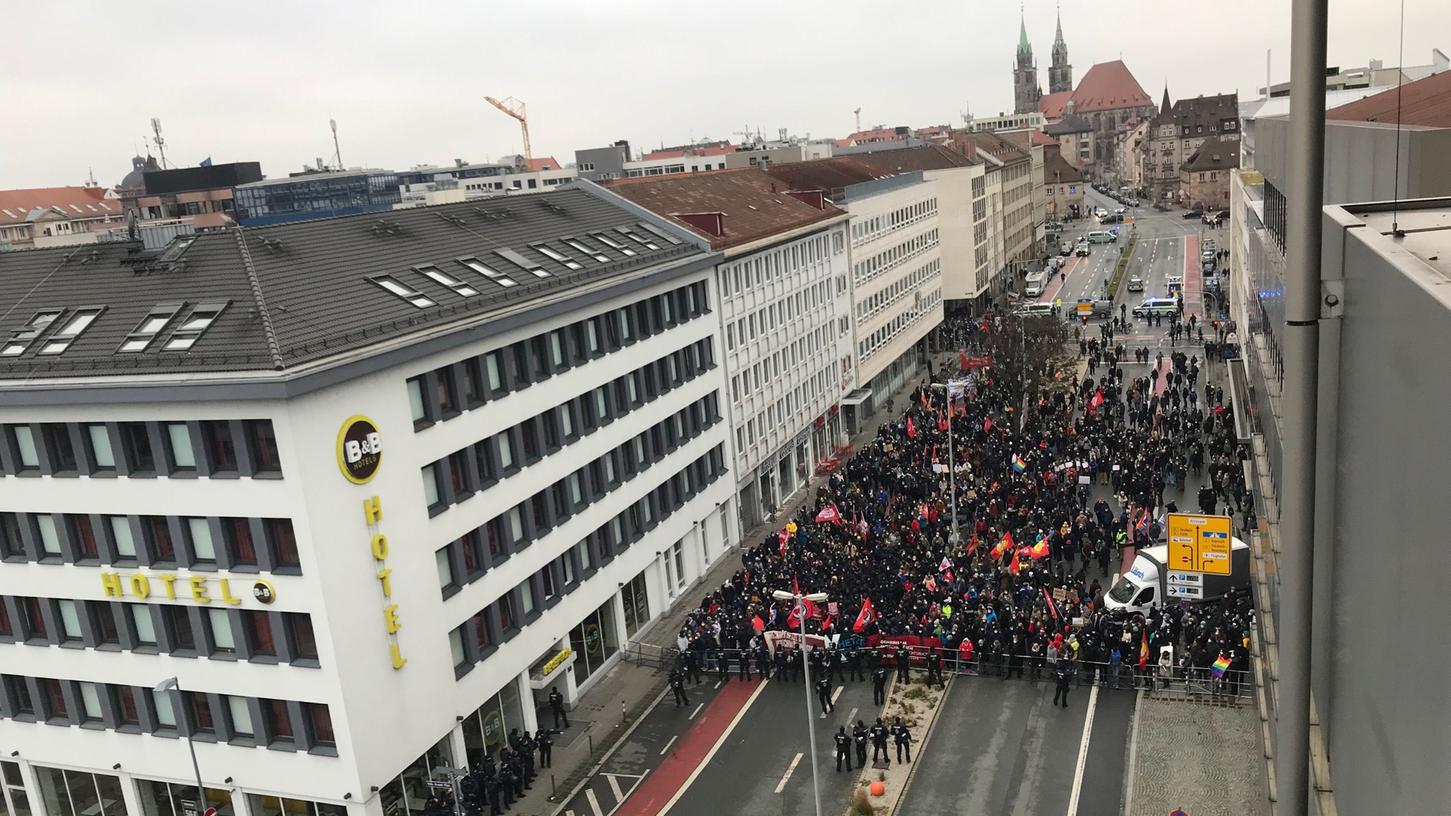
{"x": 496, "y": 782}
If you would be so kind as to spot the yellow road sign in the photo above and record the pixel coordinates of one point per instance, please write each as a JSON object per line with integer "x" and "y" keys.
{"x": 1199, "y": 543}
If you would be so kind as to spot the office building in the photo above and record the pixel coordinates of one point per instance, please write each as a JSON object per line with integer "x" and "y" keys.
{"x": 367, "y": 487}
{"x": 310, "y": 195}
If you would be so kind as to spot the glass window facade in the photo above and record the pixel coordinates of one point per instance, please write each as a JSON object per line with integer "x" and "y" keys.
{"x": 175, "y": 799}
{"x": 594, "y": 641}
{"x": 487, "y": 730}
{"x": 79, "y": 793}
{"x": 636, "y": 599}
{"x": 408, "y": 791}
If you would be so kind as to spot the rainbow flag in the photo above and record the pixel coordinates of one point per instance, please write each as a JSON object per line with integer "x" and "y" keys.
{"x": 1019, "y": 463}
{"x": 1219, "y": 666}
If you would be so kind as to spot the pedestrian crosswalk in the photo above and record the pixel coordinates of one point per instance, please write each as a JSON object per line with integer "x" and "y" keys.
{"x": 616, "y": 789}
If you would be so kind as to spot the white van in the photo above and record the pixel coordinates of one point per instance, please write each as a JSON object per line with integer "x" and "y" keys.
{"x": 1101, "y": 237}
{"x": 1035, "y": 309}
{"x": 1033, "y": 286}
{"x": 1151, "y": 306}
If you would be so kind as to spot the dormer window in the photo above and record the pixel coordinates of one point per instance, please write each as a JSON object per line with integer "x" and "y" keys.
{"x": 22, "y": 339}
{"x": 155, "y": 320}
{"x": 183, "y": 337}
{"x": 78, "y": 322}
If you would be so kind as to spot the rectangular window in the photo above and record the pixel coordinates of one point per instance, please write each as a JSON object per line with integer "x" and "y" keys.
{"x": 102, "y": 457}
{"x": 217, "y": 437}
{"x": 202, "y": 548}
{"x": 22, "y": 706}
{"x": 241, "y": 716}
{"x": 25, "y": 446}
{"x": 83, "y": 536}
{"x": 238, "y": 535}
{"x": 199, "y": 713}
{"x": 149, "y": 328}
{"x": 258, "y": 629}
{"x": 262, "y": 441}
{"x": 58, "y": 442}
{"x": 90, "y": 703}
{"x": 506, "y": 451}
{"x": 300, "y": 635}
{"x": 178, "y": 623}
{"x": 179, "y": 440}
{"x": 220, "y": 625}
{"x": 449, "y": 281}
{"x": 103, "y": 623}
{"x": 320, "y": 724}
{"x": 283, "y": 541}
{"x": 444, "y": 564}
{"x": 158, "y": 535}
{"x": 143, "y": 624}
{"x": 70, "y": 621}
{"x": 430, "y": 486}
{"x": 136, "y": 442}
{"x": 279, "y": 723}
{"x": 165, "y": 714}
{"x": 49, "y": 538}
{"x": 415, "y": 400}
{"x": 404, "y": 291}
{"x": 185, "y": 335}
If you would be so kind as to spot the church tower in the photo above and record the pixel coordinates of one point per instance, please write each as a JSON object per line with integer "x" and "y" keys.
{"x": 1025, "y": 75}
{"x": 1060, "y": 73}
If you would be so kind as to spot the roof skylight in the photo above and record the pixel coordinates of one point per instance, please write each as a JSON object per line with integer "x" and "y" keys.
{"x": 489, "y": 272}
{"x": 22, "y": 339}
{"x": 593, "y": 253}
{"x": 443, "y": 278}
{"x": 522, "y": 262}
{"x": 611, "y": 243}
{"x": 140, "y": 338}
{"x": 637, "y": 238}
{"x": 202, "y": 317}
{"x": 404, "y": 291}
{"x": 660, "y": 233}
{"x": 554, "y": 255}
{"x": 78, "y": 322}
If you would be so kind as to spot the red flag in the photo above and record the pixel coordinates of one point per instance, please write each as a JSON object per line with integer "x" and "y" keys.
{"x": 757, "y": 624}
{"x": 826, "y": 624}
{"x": 865, "y": 618}
{"x": 1039, "y": 550}
{"x": 829, "y": 513}
{"x": 1013, "y": 566}
{"x": 987, "y": 424}
{"x": 930, "y": 583}
{"x": 1003, "y": 546}
{"x": 911, "y": 429}
{"x": 942, "y": 422}
{"x": 1052, "y": 607}
{"x": 783, "y": 537}
{"x": 1097, "y": 401}
{"x": 962, "y": 358}
{"x": 972, "y": 543}
{"x": 945, "y": 565}
{"x": 1144, "y": 650}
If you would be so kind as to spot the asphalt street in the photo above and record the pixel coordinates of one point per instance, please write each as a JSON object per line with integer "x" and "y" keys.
{"x": 764, "y": 766}
{"x": 1001, "y": 747}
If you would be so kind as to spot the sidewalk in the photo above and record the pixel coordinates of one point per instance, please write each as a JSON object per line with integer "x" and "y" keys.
{"x": 628, "y": 689}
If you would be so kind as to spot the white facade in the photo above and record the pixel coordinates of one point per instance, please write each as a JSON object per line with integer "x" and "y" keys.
{"x": 688, "y": 163}
{"x": 370, "y": 703}
{"x": 963, "y": 229}
{"x": 428, "y": 186}
{"x": 1007, "y": 121}
{"x": 896, "y": 238}
{"x": 785, "y": 307}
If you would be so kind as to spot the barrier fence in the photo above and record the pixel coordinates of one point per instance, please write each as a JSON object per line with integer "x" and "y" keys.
{"x": 1195, "y": 683}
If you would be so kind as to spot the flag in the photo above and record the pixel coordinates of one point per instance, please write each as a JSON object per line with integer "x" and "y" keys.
{"x": 1039, "y": 550}
{"x": 1097, "y": 401}
{"x": 207, "y": 162}
{"x": 826, "y": 624}
{"x": 757, "y": 624}
{"x": 830, "y": 514}
{"x": 911, "y": 429}
{"x": 987, "y": 424}
{"x": 942, "y": 422}
{"x": 1220, "y": 665}
{"x": 1013, "y": 566}
{"x": 930, "y": 583}
{"x": 865, "y": 618}
{"x": 962, "y": 358}
{"x": 783, "y": 537}
{"x": 1019, "y": 463}
{"x": 971, "y": 542}
{"x": 945, "y": 565}
{"x": 1052, "y": 607}
{"x": 1003, "y": 546}
{"x": 1144, "y": 651}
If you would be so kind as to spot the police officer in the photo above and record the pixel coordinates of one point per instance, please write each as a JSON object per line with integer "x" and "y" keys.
{"x": 1063, "y": 675}
{"x": 677, "y": 686}
{"x": 859, "y": 736}
{"x": 904, "y": 674}
{"x": 526, "y": 756}
{"x": 763, "y": 662}
{"x": 903, "y": 738}
{"x": 780, "y": 667}
{"x": 879, "y": 686}
{"x": 934, "y": 666}
{"x": 823, "y": 693}
{"x": 743, "y": 665}
{"x": 722, "y": 666}
{"x": 556, "y": 704}
{"x": 545, "y": 740}
{"x": 879, "y": 743}
{"x": 854, "y": 663}
{"x": 691, "y": 670}
{"x": 843, "y": 748}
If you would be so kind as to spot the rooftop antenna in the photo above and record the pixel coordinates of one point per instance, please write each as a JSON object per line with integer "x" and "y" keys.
{"x": 1396, "y": 177}
{"x": 337, "y": 151}
{"x": 160, "y": 142}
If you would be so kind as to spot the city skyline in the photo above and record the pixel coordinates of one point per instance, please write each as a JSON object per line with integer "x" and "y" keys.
{"x": 396, "y": 109}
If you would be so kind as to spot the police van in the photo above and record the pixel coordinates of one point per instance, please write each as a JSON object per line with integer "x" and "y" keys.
{"x": 1101, "y": 237}
{"x": 1153, "y": 306}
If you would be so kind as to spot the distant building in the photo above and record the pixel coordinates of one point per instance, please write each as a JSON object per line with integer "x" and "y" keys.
{"x": 426, "y": 186}
{"x": 1107, "y": 98}
{"x": 1176, "y": 133}
{"x": 616, "y": 161}
{"x": 1010, "y": 186}
{"x": 1374, "y": 75}
{"x": 1074, "y": 136}
{"x": 1026, "y": 91}
{"x": 308, "y": 196}
{"x": 1064, "y": 186}
{"x": 1007, "y": 121}
{"x": 769, "y": 153}
{"x": 199, "y": 196}
{"x": 602, "y": 163}
{"x": 1204, "y": 177}
{"x": 56, "y": 216}
{"x": 1060, "y": 74}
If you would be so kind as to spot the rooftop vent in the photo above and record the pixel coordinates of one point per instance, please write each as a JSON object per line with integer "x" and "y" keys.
{"x": 552, "y": 207}
{"x": 272, "y": 244}
{"x": 383, "y": 227}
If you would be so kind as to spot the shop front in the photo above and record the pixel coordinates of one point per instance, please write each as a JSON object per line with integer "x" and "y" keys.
{"x": 595, "y": 640}
{"x": 487, "y": 729}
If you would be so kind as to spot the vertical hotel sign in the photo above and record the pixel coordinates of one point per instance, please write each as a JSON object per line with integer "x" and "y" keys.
{"x": 360, "y": 454}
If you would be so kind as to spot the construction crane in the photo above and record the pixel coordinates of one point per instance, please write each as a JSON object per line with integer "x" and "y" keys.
{"x": 515, "y": 108}
{"x": 858, "y": 113}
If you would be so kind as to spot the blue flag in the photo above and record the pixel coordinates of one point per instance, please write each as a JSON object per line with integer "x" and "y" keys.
{"x": 207, "y": 162}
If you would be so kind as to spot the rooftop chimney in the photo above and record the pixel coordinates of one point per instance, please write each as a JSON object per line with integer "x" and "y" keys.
{"x": 710, "y": 223}
{"x": 816, "y": 198}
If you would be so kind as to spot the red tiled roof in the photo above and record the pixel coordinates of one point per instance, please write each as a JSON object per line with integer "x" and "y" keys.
{"x": 1041, "y": 138}
{"x": 1051, "y": 105}
{"x": 74, "y": 202}
{"x": 751, "y": 204}
{"x": 713, "y": 150}
{"x": 1423, "y": 103}
{"x": 1109, "y": 86}
{"x": 908, "y": 159}
{"x": 546, "y": 163}
{"x": 831, "y": 174}
{"x": 874, "y": 135}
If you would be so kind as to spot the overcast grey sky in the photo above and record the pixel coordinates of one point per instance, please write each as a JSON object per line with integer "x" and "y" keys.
{"x": 258, "y": 80}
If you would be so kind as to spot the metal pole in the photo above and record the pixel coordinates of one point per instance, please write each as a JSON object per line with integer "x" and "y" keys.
{"x": 1302, "y": 359}
{"x": 952, "y": 469}
{"x": 196, "y": 769}
{"x": 810, "y": 725}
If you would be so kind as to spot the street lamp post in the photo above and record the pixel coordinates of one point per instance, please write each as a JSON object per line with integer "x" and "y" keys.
{"x": 798, "y": 598}
{"x": 172, "y": 689}
{"x": 951, "y": 464}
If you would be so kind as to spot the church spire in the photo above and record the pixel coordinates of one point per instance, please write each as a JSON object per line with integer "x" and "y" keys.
{"x": 1024, "y": 47}
{"x": 1058, "y": 38}
{"x": 1165, "y": 107}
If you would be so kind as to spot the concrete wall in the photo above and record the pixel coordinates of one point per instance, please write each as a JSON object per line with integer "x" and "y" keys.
{"x": 1384, "y": 673}
{"x": 954, "y": 218}
{"x": 1360, "y": 160}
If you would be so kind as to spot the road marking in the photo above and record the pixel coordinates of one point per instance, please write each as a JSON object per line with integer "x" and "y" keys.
{"x": 851, "y": 715}
{"x": 780, "y": 786}
{"x": 668, "y": 744}
{"x": 836, "y": 694}
{"x": 717, "y": 684}
{"x": 615, "y": 788}
{"x": 696, "y": 711}
{"x": 689, "y": 780}
{"x": 594, "y": 804}
{"x": 1082, "y": 753}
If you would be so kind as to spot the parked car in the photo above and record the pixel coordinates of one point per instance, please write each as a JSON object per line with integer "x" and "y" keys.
{"x": 1193, "y": 213}
{"x": 1136, "y": 284}
{"x": 1082, "y": 249}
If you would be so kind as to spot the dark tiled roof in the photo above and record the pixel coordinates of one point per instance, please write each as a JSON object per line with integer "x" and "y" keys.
{"x": 993, "y": 144}
{"x": 753, "y": 204}
{"x": 909, "y": 159}
{"x": 1207, "y": 112}
{"x": 1072, "y": 123}
{"x": 1214, "y": 154}
{"x": 300, "y": 293}
{"x": 1423, "y": 103}
{"x": 1109, "y": 86}
{"x": 836, "y": 173}
{"x": 1058, "y": 170}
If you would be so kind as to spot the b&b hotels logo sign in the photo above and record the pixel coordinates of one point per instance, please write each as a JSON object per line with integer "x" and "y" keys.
{"x": 360, "y": 449}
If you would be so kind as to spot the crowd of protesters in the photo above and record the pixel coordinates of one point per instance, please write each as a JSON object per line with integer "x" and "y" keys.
{"x": 1016, "y": 586}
